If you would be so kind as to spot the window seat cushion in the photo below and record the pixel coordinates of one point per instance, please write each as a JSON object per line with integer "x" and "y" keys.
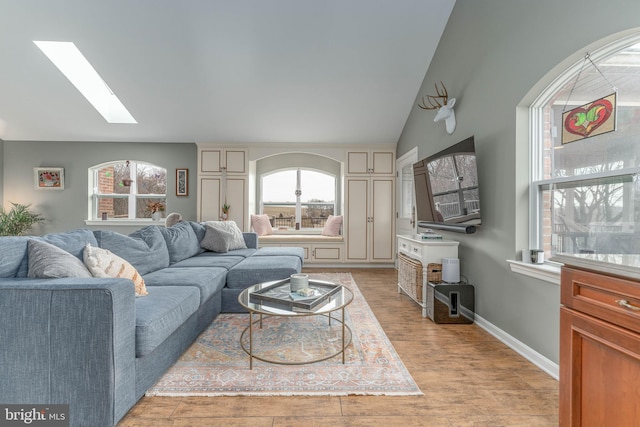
{"x": 299, "y": 238}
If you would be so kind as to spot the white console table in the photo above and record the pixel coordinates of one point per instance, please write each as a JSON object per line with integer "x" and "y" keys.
{"x": 424, "y": 251}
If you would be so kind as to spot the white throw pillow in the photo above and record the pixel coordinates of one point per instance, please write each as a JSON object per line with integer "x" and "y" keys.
{"x": 104, "y": 263}
{"x": 332, "y": 226}
{"x": 261, "y": 225}
{"x": 237, "y": 242}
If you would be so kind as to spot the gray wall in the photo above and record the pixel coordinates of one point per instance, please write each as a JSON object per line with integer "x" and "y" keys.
{"x": 1, "y": 172}
{"x": 492, "y": 54}
{"x": 67, "y": 209}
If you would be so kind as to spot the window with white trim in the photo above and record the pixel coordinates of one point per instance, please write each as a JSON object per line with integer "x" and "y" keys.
{"x": 127, "y": 190}
{"x": 298, "y": 199}
{"x": 585, "y": 195}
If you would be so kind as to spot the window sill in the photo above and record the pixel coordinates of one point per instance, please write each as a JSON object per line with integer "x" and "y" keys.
{"x": 124, "y": 222}
{"x": 549, "y": 272}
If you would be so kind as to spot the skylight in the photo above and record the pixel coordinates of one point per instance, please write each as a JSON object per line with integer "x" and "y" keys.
{"x": 75, "y": 67}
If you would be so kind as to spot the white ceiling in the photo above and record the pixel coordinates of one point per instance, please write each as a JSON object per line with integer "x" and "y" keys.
{"x": 223, "y": 71}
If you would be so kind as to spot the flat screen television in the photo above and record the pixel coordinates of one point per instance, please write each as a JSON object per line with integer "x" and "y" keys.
{"x": 446, "y": 186}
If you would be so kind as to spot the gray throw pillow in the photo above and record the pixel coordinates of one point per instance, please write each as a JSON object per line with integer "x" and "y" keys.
{"x": 237, "y": 242}
{"x": 216, "y": 239}
{"x": 50, "y": 262}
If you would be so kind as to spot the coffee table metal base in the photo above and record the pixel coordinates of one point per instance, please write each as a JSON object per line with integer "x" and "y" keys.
{"x": 247, "y": 339}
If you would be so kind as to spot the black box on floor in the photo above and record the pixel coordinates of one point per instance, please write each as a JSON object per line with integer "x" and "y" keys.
{"x": 450, "y": 303}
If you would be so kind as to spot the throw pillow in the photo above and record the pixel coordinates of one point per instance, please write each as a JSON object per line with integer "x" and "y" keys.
{"x": 261, "y": 225}
{"x": 51, "y": 262}
{"x": 216, "y": 239}
{"x": 230, "y": 226}
{"x": 332, "y": 226}
{"x": 104, "y": 263}
{"x": 145, "y": 249}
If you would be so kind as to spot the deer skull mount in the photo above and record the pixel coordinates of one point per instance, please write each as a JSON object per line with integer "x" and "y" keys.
{"x": 444, "y": 105}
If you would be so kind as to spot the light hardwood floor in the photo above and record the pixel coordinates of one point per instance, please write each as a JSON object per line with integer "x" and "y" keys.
{"x": 468, "y": 379}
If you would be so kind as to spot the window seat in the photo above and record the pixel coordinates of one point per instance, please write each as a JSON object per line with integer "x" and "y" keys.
{"x": 300, "y": 238}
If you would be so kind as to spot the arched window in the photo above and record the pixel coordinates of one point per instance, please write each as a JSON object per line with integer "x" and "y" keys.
{"x": 299, "y": 198}
{"x": 585, "y": 194}
{"x": 127, "y": 190}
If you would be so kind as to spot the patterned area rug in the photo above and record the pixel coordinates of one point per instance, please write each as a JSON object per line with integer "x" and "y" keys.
{"x": 216, "y": 365}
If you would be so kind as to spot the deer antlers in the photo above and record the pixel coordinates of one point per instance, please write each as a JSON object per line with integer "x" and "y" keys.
{"x": 434, "y": 99}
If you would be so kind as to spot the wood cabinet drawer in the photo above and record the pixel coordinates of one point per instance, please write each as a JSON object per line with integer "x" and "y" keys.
{"x": 608, "y": 298}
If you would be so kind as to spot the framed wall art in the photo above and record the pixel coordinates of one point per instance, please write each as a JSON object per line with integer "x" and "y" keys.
{"x": 182, "y": 182}
{"x": 48, "y": 178}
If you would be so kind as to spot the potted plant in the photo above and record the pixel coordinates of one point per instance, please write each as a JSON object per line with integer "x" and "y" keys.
{"x": 225, "y": 211}
{"x": 156, "y": 209}
{"x": 18, "y": 220}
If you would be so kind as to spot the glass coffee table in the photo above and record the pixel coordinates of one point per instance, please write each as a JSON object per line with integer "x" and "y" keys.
{"x": 291, "y": 335}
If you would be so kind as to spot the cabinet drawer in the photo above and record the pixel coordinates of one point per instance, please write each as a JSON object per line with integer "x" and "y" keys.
{"x": 608, "y": 298}
{"x": 404, "y": 246}
{"x": 415, "y": 251}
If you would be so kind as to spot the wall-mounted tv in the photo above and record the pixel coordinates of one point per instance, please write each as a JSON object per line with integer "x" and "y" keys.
{"x": 446, "y": 186}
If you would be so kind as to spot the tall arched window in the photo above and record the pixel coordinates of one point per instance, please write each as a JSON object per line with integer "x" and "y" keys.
{"x": 127, "y": 190}
{"x": 585, "y": 195}
{"x": 298, "y": 198}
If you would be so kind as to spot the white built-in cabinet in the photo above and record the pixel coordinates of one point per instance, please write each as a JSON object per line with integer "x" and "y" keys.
{"x": 223, "y": 175}
{"x": 370, "y": 207}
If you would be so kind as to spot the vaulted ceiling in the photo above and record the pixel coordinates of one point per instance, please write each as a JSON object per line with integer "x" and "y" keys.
{"x": 221, "y": 71}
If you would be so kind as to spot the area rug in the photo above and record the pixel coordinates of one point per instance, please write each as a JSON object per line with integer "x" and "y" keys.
{"x": 216, "y": 365}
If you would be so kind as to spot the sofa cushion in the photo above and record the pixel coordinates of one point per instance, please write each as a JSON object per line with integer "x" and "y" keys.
{"x": 71, "y": 241}
{"x": 181, "y": 240}
{"x": 145, "y": 249}
{"x": 104, "y": 263}
{"x": 237, "y": 242}
{"x": 13, "y": 256}
{"x": 49, "y": 261}
{"x": 208, "y": 279}
{"x": 160, "y": 313}
{"x": 209, "y": 259}
{"x": 281, "y": 250}
{"x": 257, "y": 269}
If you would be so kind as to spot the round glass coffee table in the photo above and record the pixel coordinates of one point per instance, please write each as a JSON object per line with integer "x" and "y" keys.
{"x": 288, "y": 335}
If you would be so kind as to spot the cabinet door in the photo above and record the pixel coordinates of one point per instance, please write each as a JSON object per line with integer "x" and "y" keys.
{"x": 382, "y": 232}
{"x": 236, "y": 161}
{"x": 326, "y": 253}
{"x": 357, "y": 162}
{"x": 357, "y": 196}
{"x": 599, "y": 372}
{"x": 209, "y": 199}
{"x": 237, "y": 199}
{"x": 382, "y": 163}
{"x": 211, "y": 161}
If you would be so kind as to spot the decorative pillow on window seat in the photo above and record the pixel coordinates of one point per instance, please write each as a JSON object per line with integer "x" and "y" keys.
{"x": 261, "y": 224}
{"x": 104, "y": 263}
{"x": 332, "y": 226}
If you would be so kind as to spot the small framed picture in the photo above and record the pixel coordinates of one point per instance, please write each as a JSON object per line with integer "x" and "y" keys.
{"x": 182, "y": 182}
{"x": 48, "y": 178}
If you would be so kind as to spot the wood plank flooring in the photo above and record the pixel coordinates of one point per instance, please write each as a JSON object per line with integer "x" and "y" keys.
{"x": 468, "y": 379}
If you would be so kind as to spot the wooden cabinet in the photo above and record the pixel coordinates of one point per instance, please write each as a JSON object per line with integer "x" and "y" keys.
{"x": 370, "y": 162}
{"x": 599, "y": 349}
{"x": 369, "y": 226}
{"x": 215, "y": 160}
{"x": 223, "y": 176}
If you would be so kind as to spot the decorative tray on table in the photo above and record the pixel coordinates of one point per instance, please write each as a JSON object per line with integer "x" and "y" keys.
{"x": 279, "y": 295}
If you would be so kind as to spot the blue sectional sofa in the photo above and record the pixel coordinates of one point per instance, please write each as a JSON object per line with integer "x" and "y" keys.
{"x": 90, "y": 342}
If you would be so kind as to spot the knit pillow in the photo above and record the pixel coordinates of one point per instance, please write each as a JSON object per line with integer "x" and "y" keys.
{"x": 237, "y": 242}
{"x": 216, "y": 239}
{"x": 104, "y": 263}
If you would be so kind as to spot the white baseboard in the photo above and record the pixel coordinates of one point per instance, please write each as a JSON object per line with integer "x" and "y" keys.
{"x": 519, "y": 347}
